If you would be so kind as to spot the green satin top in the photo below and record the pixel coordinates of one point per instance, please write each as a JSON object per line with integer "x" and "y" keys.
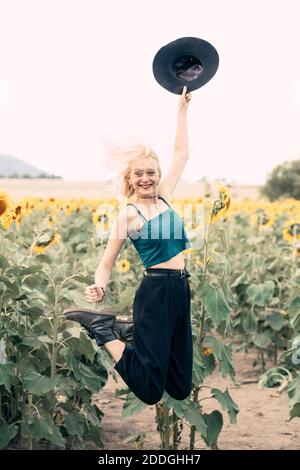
{"x": 160, "y": 238}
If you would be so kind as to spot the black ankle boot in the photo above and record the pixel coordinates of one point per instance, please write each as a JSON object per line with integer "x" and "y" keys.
{"x": 99, "y": 325}
{"x": 124, "y": 329}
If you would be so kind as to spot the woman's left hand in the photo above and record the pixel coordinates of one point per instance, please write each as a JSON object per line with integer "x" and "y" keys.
{"x": 184, "y": 100}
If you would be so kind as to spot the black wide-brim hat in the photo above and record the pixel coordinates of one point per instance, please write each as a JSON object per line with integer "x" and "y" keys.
{"x": 187, "y": 61}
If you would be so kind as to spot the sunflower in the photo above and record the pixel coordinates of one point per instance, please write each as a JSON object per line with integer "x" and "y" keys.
{"x": 4, "y": 202}
{"x": 220, "y": 205}
{"x": 123, "y": 265}
{"x": 262, "y": 218}
{"x": 100, "y": 216}
{"x": 18, "y": 214}
{"x": 291, "y": 231}
{"x": 207, "y": 351}
{"x": 6, "y": 209}
{"x": 52, "y": 218}
{"x": 45, "y": 241}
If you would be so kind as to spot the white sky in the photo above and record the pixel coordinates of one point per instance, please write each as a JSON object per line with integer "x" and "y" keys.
{"x": 74, "y": 72}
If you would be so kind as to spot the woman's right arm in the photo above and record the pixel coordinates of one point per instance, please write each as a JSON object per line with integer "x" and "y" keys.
{"x": 117, "y": 237}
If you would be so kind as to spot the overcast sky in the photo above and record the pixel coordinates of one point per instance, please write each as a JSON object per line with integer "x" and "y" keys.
{"x": 76, "y": 72}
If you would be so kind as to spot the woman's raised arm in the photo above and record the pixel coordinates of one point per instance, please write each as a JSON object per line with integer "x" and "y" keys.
{"x": 181, "y": 148}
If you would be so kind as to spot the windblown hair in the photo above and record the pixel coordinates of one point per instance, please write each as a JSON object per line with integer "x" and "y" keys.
{"x": 120, "y": 160}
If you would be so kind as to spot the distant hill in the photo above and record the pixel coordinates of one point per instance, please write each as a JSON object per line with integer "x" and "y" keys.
{"x": 11, "y": 167}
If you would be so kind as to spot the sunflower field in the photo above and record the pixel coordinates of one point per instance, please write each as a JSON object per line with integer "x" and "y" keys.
{"x": 245, "y": 287}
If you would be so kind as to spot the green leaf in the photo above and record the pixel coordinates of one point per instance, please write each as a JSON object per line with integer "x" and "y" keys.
{"x": 194, "y": 416}
{"x": 132, "y": 404}
{"x": 255, "y": 261}
{"x": 228, "y": 293}
{"x": 75, "y": 296}
{"x": 74, "y": 424}
{"x": 82, "y": 345}
{"x": 125, "y": 299}
{"x": 32, "y": 342}
{"x": 83, "y": 374}
{"x": 43, "y": 258}
{"x": 179, "y": 406}
{"x": 294, "y": 391}
{"x": 214, "y": 423}
{"x": 12, "y": 287}
{"x": 261, "y": 340}
{"x": 199, "y": 371}
{"x": 261, "y": 294}
{"x": 32, "y": 281}
{"x": 31, "y": 270}
{"x": 249, "y": 321}
{"x": 276, "y": 321}
{"x": 7, "y": 375}
{"x": 227, "y": 403}
{"x": 294, "y": 308}
{"x": 273, "y": 377}
{"x": 215, "y": 303}
{"x": 3, "y": 262}
{"x": 40, "y": 427}
{"x": 7, "y": 433}
{"x": 240, "y": 279}
{"x": 295, "y": 411}
{"x": 37, "y": 384}
{"x": 209, "y": 364}
{"x": 43, "y": 427}
{"x": 223, "y": 353}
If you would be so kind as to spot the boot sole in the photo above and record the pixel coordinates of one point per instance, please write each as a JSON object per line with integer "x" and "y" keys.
{"x": 107, "y": 312}
{"x": 95, "y": 312}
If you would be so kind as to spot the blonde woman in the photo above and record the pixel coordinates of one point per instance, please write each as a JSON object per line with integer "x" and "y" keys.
{"x": 161, "y": 356}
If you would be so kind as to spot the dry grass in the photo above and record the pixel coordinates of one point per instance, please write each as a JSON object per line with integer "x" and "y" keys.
{"x": 44, "y": 188}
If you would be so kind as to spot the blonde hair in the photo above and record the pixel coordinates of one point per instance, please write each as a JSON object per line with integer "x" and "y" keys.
{"x": 120, "y": 160}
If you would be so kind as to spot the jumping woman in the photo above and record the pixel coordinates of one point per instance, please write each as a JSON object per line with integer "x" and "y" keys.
{"x": 161, "y": 354}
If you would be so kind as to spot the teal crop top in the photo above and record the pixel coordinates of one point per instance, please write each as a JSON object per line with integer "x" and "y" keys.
{"x": 159, "y": 238}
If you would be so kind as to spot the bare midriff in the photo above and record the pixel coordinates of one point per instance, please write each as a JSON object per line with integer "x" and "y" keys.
{"x": 177, "y": 262}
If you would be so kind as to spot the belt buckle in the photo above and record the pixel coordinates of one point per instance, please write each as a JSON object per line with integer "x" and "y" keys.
{"x": 182, "y": 273}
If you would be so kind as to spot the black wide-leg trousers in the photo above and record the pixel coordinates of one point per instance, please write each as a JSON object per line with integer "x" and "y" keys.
{"x": 161, "y": 357}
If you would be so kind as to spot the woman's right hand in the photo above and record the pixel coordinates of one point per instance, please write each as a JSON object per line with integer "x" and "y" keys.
{"x": 94, "y": 293}
{"x": 184, "y": 100}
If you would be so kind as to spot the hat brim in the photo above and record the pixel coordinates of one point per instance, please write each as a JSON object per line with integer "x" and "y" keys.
{"x": 163, "y": 68}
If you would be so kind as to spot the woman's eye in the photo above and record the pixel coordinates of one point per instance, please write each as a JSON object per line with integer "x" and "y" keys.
{"x": 149, "y": 173}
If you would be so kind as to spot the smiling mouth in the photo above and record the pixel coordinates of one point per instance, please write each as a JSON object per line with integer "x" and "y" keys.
{"x": 146, "y": 187}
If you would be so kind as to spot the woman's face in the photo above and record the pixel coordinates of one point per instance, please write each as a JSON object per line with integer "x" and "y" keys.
{"x": 144, "y": 176}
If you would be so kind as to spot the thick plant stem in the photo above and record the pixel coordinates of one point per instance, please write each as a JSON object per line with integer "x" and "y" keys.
{"x": 166, "y": 427}
{"x": 55, "y": 332}
{"x": 29, "y": 415}
{"x": 175, "y": 431}
{"x": 163, "y": 424}
{"x": 201, "y": 333}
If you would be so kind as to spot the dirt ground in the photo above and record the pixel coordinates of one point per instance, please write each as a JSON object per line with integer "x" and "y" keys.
{"x": 262, "y": 422}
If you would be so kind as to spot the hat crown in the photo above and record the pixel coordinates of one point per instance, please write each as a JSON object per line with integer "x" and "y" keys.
{"x": 187, "y": 67}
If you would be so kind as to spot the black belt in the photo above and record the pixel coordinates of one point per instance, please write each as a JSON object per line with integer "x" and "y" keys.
{"x": 181, "y": 273}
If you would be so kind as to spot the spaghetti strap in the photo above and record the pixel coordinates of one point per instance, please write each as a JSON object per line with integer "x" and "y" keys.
{"x": 130, "y": 204}
{"x": 160, "y": 197}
